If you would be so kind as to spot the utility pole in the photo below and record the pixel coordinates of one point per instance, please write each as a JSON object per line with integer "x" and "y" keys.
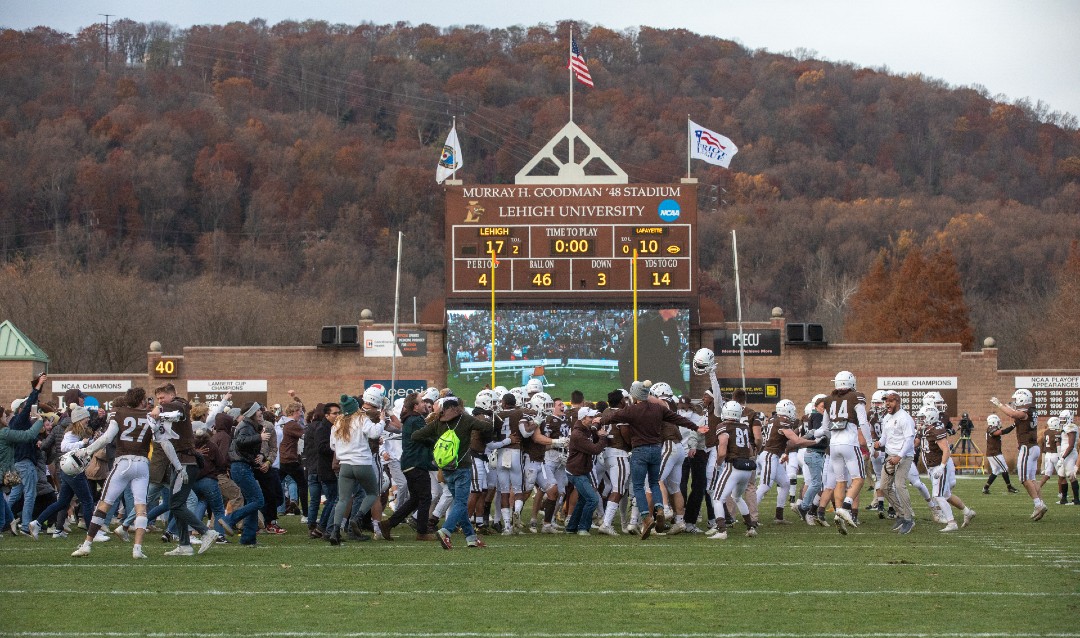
{"x": 107, "y": 16}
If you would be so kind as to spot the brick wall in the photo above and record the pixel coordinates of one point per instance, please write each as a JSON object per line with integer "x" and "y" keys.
{"x": 322, "y": 374}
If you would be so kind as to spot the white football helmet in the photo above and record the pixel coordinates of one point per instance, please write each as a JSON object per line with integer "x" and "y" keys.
{"x": 1022, "y": 398}
{"x": 1066, "y": 417}
{"x": 1054, "y": 423}
{"x": 431, "y": 394}
{"x": 661, "y": 390}
{"x": 808, "y": 410}
{"x": 786, "y": 408}
{"x": 993, "y": 422}
{"x": 484, "y": 400}
{"x": 534, "y": 386}
{"x": 935, "y": 399}
{"x": 928, "y": 416}
{"x": 497, "y": 394}
{"x": 818, "y": 397}
{"x": 73, "y": 464}
{"x": 542, "y": 404}
{"x": 521, "y": 395}
{"x": 844, "y": 380}
{"x": 877, "y": 402}
{"x": 374, "y": 395}
{"x": 732, "y": 411}
{"x": 704, "y": 361}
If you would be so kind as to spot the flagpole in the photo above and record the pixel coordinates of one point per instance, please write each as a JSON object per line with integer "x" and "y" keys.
{"x": 688, "y": 135}
{"x": 397, "y": 300}
{"x": 570, "y": 68}
{"x": 738, "y": 304}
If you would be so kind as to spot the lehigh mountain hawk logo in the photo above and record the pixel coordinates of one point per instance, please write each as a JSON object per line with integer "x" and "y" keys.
{"x": 473, "y": 212}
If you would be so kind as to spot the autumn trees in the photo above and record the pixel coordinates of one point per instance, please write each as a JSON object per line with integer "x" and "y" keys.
{"x": 910, "y": 296}
{"x": 285, "y": 158}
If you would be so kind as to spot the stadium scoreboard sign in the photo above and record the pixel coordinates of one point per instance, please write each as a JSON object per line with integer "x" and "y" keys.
{"x": 552, "y": 240}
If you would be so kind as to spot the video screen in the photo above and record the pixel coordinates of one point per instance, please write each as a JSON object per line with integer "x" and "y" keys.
{"x": 568, "y": 349}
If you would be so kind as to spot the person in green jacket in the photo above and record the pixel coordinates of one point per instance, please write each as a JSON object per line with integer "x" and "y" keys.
{"x": 8, "y": 440}
{"x": 450, "y": 414}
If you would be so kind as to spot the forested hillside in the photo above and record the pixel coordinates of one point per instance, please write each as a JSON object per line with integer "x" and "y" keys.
{"x": 245, "y": 183}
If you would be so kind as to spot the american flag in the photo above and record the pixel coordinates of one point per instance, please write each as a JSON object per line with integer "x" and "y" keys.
{"x": 577, "y": 64}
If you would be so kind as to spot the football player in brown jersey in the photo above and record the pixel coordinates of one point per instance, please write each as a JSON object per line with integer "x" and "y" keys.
{"x": 780, "y": 439}
{"x": 934, "y": 440}
{"x": 1022, "y": 411}
{"x": 877, "y": 457}
{"x": 994, "y": 457}
{"x": 617, "y": 463}
{"x": 536, "y": 444}
{"x": 134, "y": 429}
{"x": 735, "y": 458}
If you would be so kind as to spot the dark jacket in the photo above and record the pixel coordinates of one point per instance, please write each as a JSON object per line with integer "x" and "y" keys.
{"x": 9, "y": 439}
{"x": 246, "y": 443}
{"x": 463, "y": 425}
{"x": 27, "y": 450}
{"x": 584, "y": 445}
{"x": 644, "y": 420}
{"x": 215, "y": 460}
{"x": 222, "y": 435}
{"x": 415, "y": 454}
{"x": 324, "y": 454}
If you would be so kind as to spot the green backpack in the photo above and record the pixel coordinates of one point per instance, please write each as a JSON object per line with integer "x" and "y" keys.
{"x": 446, "y": 450}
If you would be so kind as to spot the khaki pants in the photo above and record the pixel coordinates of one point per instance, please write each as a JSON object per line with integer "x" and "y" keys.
{"x": 230, "y": 493}
{"x": 894, "y": 486}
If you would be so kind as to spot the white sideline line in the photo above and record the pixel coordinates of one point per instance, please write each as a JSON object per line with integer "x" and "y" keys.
{"x": 199, "y": 565}
{"x": 511, "y": 634}
{"x": 546, "y": 592}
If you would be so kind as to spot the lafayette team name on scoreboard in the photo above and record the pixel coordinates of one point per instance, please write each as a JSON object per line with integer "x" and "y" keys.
{"x": 551, "y": 240}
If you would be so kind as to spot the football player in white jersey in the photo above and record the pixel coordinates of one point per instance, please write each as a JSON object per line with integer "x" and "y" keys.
{"x": 846, "y": 422}
{"x": 1067, "y": 457}
{"x": 1049, "y": 440}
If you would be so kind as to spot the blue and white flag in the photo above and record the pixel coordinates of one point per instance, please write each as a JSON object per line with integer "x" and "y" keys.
{"x": 451, "y": 159}
{"x": 711, "y": 146}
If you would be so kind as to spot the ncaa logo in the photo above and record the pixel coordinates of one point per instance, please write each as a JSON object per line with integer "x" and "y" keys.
{"x": 669, "y": 210}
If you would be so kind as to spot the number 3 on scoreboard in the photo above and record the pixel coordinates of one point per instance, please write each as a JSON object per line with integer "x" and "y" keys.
{"x": 601, "y": 279}
{"x": 542, "y": 280}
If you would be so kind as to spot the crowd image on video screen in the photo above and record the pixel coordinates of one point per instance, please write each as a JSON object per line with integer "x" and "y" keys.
{"x": 586, "y": 347}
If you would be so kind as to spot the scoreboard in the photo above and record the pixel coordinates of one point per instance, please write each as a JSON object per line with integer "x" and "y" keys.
{"x": 551, "y": 240}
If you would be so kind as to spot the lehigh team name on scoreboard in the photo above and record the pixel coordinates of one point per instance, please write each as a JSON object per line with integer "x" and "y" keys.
{"x": 548, "y": 241}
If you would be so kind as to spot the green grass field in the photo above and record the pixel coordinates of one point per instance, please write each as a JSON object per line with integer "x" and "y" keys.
{"x": 594, "y": 384}
{"x": 1003, "y": 576}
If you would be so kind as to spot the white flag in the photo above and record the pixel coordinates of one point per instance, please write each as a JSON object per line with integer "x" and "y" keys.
{"x": 451, "y": 157}
{"x": 711, "y": 146}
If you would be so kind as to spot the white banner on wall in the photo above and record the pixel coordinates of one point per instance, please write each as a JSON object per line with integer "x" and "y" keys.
{"x": 90, "y": 386}
{"x": 916, "y": 383}
{"x": 222, "y": 386}
{"x": 1047, "y": 383}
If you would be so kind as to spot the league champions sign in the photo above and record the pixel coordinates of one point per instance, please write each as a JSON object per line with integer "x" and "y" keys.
{"x": 912, "y": 389}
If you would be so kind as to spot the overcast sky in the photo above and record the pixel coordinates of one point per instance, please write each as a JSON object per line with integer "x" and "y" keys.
{"x": 1019, "y": 48}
